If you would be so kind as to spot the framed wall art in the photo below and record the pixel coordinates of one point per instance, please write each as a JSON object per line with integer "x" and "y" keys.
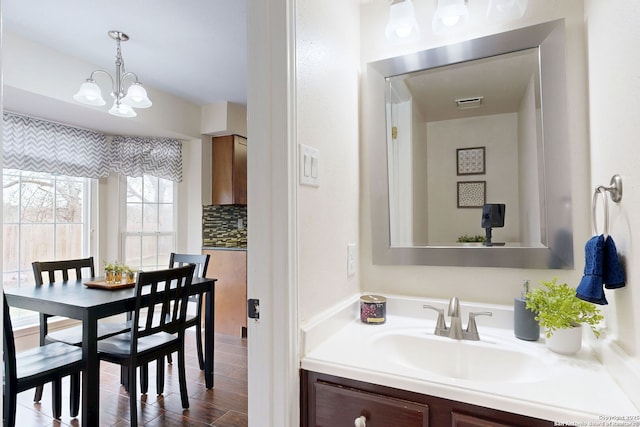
{"x": 470, "y": 161}
{"x": 471, "y": 194}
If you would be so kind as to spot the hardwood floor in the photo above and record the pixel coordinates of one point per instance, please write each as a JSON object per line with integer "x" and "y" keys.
{"x": 223, "y": 406}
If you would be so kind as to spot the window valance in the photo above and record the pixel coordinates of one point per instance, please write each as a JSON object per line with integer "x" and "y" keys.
{"x": 42, "y": 146}
{"x": 135, "y": 156}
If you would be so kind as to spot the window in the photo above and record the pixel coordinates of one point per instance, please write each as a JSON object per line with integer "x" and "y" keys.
{"x": 149, "y": 231}
{"x": 44, "y": 218}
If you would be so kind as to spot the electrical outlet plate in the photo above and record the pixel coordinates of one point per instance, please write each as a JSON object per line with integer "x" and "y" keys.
{"x": 309, "y": 166}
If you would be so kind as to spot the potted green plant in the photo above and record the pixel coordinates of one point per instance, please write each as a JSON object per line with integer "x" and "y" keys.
{"x": 471, "y": 239}
{"x": 562, "y": 314}
{"x": 128, "y": 274}
{"x": 117, "y": 269}
{"x": 109, "y": 272}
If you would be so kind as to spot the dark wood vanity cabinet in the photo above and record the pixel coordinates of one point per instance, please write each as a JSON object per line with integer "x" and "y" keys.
{"x": 229, "y": 170}
{"x": 330, "y": 401}
{"x": 340, "y": 406}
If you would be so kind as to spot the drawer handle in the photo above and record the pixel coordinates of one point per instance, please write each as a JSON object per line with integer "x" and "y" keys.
{"x": 361, "y": 421}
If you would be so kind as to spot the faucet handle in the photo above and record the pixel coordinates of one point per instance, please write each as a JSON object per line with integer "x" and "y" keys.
{"x": 441, "y": 326}
{"x": 472, "y": 329}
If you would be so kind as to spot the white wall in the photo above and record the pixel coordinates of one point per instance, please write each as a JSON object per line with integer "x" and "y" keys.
{"x": 530, "y": 154}
{"x": 614, "y": 81}
{"x": 401, "y": 185}
{"x": 495, "y": 285}
{"x": 327, "y": 67}
{"x": 420, "y": 179}
{"x": 498, "y": 133}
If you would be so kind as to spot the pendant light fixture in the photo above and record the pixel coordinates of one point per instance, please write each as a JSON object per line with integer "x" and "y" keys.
{"x": 125, "y": 98}
{"x": 402, "y": 24}
{"x": 450, "y": 16}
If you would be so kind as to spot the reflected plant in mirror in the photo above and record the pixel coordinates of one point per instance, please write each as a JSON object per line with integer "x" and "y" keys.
{"x": 489, "y": 111}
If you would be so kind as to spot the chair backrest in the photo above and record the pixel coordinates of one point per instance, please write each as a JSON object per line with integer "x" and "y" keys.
{"x": 55, "y": 271}
{"x": 157, "y": 310}
{"x": 201, "y": 262}
{"x": 9, "y": 349}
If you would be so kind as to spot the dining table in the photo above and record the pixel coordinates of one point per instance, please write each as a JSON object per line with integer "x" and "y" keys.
{"x": 76, "y": 300}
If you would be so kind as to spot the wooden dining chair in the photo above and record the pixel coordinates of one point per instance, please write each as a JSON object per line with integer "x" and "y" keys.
{"x": 36, "y": 367}
{"x": 193, "y": 319}
{"x": 201, "y": 261}
{"x": 47, "y": 272}
{"x": 160, "y": 316}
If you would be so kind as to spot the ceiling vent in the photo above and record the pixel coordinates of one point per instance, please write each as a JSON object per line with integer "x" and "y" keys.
{"x": 464, "y": 103}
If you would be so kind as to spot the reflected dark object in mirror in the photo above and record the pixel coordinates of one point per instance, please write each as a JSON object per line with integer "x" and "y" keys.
{"x": 492, "y": 216}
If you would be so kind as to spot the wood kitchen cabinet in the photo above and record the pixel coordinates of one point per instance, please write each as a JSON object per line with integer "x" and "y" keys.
{"x": 229, "y": 170}
{"x": 328, "y": 401}
{"x": 230, "y": 268}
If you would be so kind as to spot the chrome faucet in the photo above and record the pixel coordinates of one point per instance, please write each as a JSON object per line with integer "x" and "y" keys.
{"x": 454, "y": 331}
{"x": 455, "y": 328}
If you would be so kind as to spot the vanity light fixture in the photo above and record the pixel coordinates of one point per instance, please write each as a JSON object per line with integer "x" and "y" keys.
{"x": 125, "y": 99}
{"x": 506, "y": 9}
{"x": 450, "y": 16}
{"x": 402, "y": 24}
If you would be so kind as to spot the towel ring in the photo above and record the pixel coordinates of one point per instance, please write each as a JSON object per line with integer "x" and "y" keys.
{"x": 600, "y": 190}
{"x": 615, "y": 190}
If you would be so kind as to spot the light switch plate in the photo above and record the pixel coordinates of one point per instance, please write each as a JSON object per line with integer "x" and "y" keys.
{"x": 309, "y": 166}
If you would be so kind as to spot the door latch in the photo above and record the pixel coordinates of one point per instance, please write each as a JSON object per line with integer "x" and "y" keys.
{"x": 253, "y": 308}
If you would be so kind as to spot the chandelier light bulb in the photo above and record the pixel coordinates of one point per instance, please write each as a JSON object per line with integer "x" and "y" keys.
{"x": 137, "y": 96}
{"x": 122, "y": 110}
{"x": 89, "y": 94}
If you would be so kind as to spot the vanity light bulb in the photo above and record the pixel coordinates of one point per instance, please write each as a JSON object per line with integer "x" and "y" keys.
{"x": 450, "y": 21}
{"x": 505, "y": 5}
{"x": 403, "y": 32}
{"x": 506, "y": 9}
{"x": 450, "y": 15}
{"x": 402, "y": 22}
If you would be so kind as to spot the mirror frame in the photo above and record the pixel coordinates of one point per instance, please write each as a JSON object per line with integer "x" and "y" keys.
{"x": 557, "y": 237}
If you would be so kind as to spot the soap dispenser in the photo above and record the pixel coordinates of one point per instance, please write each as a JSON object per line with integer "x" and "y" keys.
{"x": 525, "y": 326}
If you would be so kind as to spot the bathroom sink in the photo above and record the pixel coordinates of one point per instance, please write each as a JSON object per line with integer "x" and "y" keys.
{"x": 479, "y": 361}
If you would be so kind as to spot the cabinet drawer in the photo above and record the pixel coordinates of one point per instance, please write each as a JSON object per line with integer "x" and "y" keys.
{"x": 337, "y": 406}
{"x": 463, "y": 420}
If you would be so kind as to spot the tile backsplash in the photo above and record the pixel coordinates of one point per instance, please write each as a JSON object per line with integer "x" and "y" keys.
{"x": 224, "y": 226}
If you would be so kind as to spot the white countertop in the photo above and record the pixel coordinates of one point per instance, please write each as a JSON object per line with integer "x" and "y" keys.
{"x": 568, "y": 388}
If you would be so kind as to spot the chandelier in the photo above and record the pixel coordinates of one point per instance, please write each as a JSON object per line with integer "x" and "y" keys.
{"x": 125, "y": 98}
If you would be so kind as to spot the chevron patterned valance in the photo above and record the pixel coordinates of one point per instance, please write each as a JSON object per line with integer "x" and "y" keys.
{"x": 135, "y": 156}
{"x": 41, "y": 146}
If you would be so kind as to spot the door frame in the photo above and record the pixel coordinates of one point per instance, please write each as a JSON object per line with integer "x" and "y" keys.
{"x": 273, "y": 356}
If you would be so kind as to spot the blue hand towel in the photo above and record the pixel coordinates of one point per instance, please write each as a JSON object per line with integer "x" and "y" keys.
{"x": 590, "y": 288}
{"x": 612, "y": 273}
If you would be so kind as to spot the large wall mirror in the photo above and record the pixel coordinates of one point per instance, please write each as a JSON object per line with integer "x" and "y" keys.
{"x": 475, "y": 146}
